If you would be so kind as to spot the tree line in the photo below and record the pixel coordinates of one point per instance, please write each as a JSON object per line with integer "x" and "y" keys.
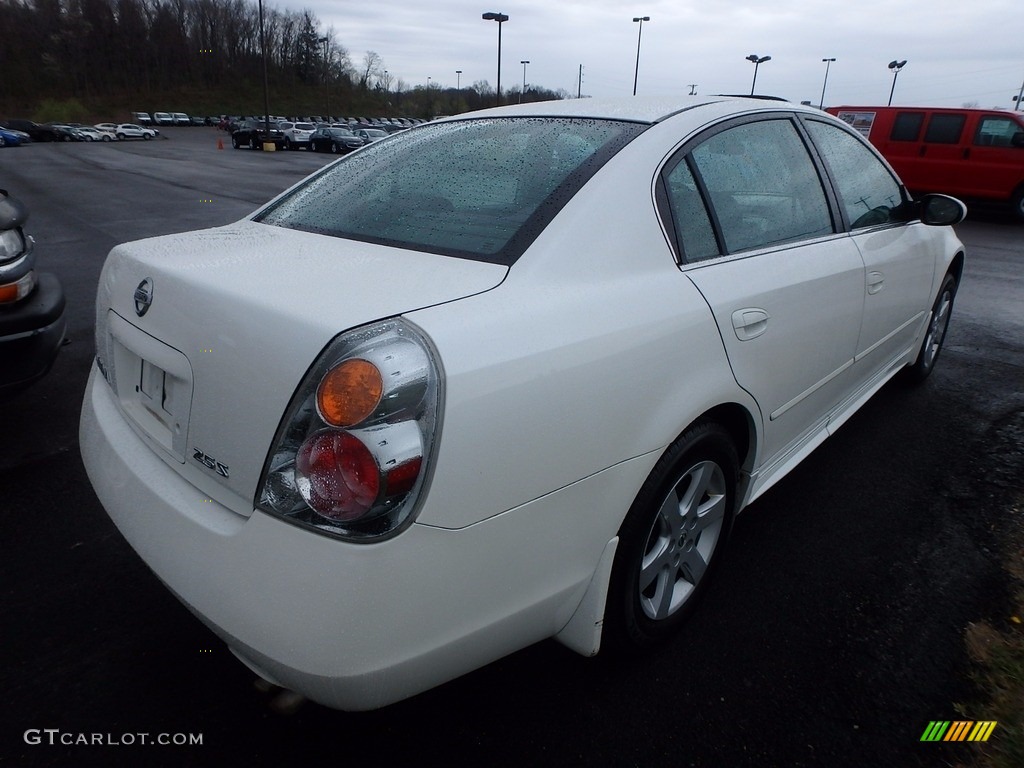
{"x": 102, "y": 52}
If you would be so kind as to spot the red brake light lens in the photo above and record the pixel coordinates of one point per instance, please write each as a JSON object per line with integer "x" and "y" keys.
{"x": 337, "y": 475}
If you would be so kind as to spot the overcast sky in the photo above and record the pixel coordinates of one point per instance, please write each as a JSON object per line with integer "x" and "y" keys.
{"x": 957, "y": 51}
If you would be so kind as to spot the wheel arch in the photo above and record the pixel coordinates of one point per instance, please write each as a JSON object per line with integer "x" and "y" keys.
{"x": 956, "y": 267}
{"x": 584, "y": 630}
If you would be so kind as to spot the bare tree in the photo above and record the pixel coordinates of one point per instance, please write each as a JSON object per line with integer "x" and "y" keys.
{"x": 373, "y": 67}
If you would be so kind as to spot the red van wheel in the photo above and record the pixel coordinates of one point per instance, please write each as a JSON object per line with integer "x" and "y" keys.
{"x": 1017, "y": 201}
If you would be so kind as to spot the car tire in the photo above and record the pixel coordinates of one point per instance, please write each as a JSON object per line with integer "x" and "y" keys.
{"x": 288, "y": 144}
{"x": 145, "y": 137}
{"x": 253, "y": 144}
{"x": 120, "y": 137}
{"x": 1017, "y": 202}
{"x": 335, "y": 149}
{"x": 67, "y": 138}
{"x": 935, "y": 332}
{"x": 672, "y": 539}
{"x": 106, "y": 137}
{"x": 234, "y": 143}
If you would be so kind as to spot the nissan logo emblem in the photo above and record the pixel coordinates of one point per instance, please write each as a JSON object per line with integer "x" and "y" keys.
{"x": 144, "y": 297}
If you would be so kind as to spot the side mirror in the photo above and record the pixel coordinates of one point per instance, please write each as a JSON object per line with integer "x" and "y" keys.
{"x": 942, "y": 210}
{"x": 13, "y": 213}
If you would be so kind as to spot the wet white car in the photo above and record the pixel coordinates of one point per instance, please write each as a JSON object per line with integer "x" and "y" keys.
{"x": 513, "y": 380}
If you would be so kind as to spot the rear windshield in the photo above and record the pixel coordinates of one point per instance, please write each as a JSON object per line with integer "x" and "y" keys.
{"x": 479, "y": 189}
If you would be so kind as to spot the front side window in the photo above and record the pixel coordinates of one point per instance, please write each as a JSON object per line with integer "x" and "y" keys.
{"x": 945, "y": 129}
{"x": 867, "y": 191}
{"x": 480, "y": 189}
{"x": 996, "y": 131}
{"x": 763, "y": 185}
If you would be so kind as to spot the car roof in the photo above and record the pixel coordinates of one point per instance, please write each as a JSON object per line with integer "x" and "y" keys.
{"x": 640, "y": 109}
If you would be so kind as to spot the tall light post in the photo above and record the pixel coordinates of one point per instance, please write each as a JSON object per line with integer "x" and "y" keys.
{"x": 501, "y": 18}
{"x": 266, "y": 85}
{"x": 524, "y": 62}
{"x": 757, "y": 62}
{"x": 1018, "y": 98}
{"x": 895, "y": 66}
{"x": 327, "y": 85}
{"x": 821, "y": 104}
{"x": 458, "y": 80}
{"x": 636, "y": 72}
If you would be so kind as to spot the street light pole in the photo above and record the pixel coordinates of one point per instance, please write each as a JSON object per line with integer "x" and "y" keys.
{"x": 501, "y": 18}
{"x": 821, "y": 104}
{"x": 458, "y": 80}
{"x": 895, "y": 66}
{"x": 524, "y": 62}
{"x": 1018, "y": 97}
{"x": 757, "y": 61}
{"x": 266, "y": 85}
{"x": 636, "y": 72}
{"x": 327, "y": 85}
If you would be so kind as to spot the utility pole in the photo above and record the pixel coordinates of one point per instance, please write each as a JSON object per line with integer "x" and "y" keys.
{"x": 579, "y": 84}
{"x": 693, "y": 89}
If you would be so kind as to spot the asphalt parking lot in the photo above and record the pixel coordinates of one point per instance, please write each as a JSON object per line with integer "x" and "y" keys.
{"x": 832, "y": 636}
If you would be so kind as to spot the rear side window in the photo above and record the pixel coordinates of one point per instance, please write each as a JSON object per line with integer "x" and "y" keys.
{"x": 692, "y": 226}
{"x": 867, "y": 191}
{"x": 907, "y": 126}
{"x": 945, "y": 129}
{"x": 481, "y": 189}
{"x": 763, "y": 185}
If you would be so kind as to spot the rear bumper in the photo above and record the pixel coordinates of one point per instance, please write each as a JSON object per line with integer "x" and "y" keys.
{"x": 30, "y": 335}
{"x": 352, "y": 626}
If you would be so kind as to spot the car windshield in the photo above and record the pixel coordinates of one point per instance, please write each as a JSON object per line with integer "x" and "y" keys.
{"x": 481, "y": 189}
{"x": 305, "y": 126}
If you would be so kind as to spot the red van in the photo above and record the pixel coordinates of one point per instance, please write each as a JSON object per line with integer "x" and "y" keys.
{"x": 969, "y": 153}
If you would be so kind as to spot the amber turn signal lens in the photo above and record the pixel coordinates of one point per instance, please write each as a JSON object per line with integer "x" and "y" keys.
{"x": 349, "y": 393}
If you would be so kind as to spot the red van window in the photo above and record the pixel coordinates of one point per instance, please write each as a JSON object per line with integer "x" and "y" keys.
{"x": 995, "y": 132}
{"x": 945, "y": 129}
{"x": 907, "y": 126}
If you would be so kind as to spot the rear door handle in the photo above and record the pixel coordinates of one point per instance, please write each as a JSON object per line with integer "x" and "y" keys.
{"x": 876, "y": 281}
{"x": 749, "y": 323}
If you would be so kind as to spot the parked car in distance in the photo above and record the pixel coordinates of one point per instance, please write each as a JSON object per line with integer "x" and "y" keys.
{"x": 180, "y": 118}
{"x": 369, "y": 135}
{"x": 255, "y": 133}
{"x": 141, "y": 118}
{"x": 335, "y": 139}
{"x": 67, "y": 132}
{"x": 107, "y": 129}
{"x": 95, "y": 134}
{"x": 131, "y": 131}
{"x": 296, "y": 134}
{"x": 163, "y": 118}
{"x": 32, "y": 321}
{"x": 977, "y": 154}
{"x": 35, "y": 130}
{"x": 518, "y": 373}
{"x": 9, "y": 138}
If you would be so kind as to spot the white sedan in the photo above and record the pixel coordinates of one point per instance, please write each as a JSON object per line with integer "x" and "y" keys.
{"x": 95, "y": 134}
{"x": 518, "y": 374}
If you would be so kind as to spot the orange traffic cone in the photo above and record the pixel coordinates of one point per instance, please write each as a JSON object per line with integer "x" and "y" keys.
{"x": 220, "y": 144}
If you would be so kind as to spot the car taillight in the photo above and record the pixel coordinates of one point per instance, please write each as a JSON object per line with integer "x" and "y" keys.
{"x": 352, "y": 453}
